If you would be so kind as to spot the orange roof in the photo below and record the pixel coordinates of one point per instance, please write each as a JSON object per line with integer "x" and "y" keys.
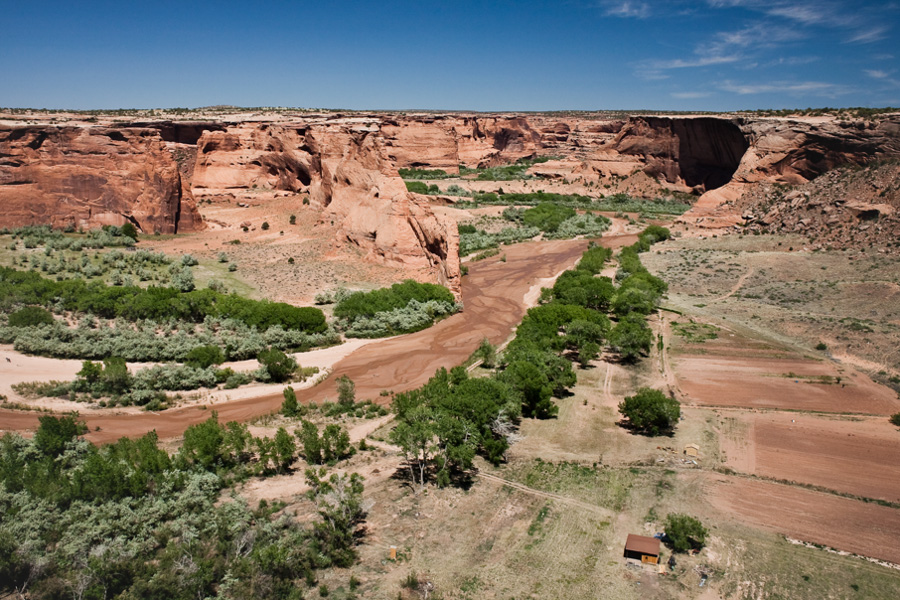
{"x": 642, "y": 544}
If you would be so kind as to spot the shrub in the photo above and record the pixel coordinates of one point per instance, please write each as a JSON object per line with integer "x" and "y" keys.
{"x": 232, "y": 267}
{"x": 202, "y": 357}
{"x": 685, "y": 532}
{"x": 188, "y": 260}
{"x": 30, "y": 316}
{"x": 279, "y": 365}
{"x": 293, "y": 220}
{"x": 265, "y": 226}
{"x": 895, "y": 419}
{"x": 398, "y": 296}
{"x": 290, "y": 407}
{"x": 346, "y": 391}
{"x": 486, "y": 353}
{"x": 129, "y": 230}
{"x": 223, "y": 258}
{"x": 650, "y": 411}
{"x": 417, "y": 187}
{"x": 546, "y": 216}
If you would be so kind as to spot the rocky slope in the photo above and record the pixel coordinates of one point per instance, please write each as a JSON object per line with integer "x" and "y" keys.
{"x": 848, "y": 207}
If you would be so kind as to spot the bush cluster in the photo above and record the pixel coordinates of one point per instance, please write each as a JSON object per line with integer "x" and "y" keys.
{"x": 127, "y": 520}
{"x": 402, "y": 308}
{"x": 34, "y": 236}
{"x": 157, "y": 341}
{"x": 134, "y": 303}
{"x": 415, "y": 316}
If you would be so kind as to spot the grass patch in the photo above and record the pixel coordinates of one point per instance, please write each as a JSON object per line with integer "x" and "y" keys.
{"x": 695, "y": 333}
{"x": 604, "y": 487}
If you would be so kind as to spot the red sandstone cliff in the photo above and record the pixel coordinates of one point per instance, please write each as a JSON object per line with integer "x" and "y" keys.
{"x": 344, "y": 167}
{"x": 150, "y": 172}
{"x": 88, "y": 177}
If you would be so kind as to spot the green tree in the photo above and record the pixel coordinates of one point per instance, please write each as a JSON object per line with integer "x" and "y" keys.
{"x": 115, "y": 379}
{"x": 533, "y": 386}
{"x": 631, "y": 337}
{"x": 310, "y": 442}
{"x": 279, "y": 365}
{"x": 202, "y": 357}
{"x": 29, "y": 316}
{"x": 650, "y": 411}
{"x": 285, "y": 448}
{"x": 54, "y": 433}
{"x": 339, "y": 504}
{"x": 129, "y": 230}
{"x": 204, "y": 443}
{"x": 290, "y": 407}
{"x": 685, "y": 532}
{"x": 335, "y": 443}
{"x": 415, "y": 436}
{"x": 90, "y": 372}
{"x": 487, "y": 354}
{"x": 346, "y": 391}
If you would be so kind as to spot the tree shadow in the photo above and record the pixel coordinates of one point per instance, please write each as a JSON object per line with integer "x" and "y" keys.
{"x": 626, "y": 424}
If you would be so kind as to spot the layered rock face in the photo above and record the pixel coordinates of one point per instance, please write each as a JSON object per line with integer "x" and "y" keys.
{"x": 150, "y": 172}
{"x": 345, "y": 168}
{"x": 445, "y": 142}
{"x": 88, "y": 177}
{"x": 795, "y": 152}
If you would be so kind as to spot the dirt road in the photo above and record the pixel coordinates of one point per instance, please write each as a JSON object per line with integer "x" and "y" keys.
{"x": 494, "y": 297}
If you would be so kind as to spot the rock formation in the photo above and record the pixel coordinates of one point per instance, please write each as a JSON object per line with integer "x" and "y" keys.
{"x": 445, "y": 142}
{"x": 344, "y": 168}
{"x": 85, "y": 177}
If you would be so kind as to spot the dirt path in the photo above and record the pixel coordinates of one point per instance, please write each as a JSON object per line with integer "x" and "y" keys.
{"x": 737, "y": 286}
{"x": 493, "y": 294}
{"x": 524, "y": 488}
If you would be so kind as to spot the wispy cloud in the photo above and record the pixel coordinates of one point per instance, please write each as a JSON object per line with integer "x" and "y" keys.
{"x": 859, "y": 27}
{"x": 868, "y": 35}
{"x": 682, "y": 63}
{"x": 884, "y": 77}
{"x": 795, "y": 88}
{"x": 638, "y": 10}
{"x": 690, "y": 95}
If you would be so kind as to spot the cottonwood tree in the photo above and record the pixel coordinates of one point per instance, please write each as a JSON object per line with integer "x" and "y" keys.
{"x": 650, "y": 411}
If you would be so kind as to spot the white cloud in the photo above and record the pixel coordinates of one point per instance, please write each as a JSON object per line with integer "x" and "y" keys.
{"x": 869, "y": 35}
{"x": 815, "y": 88}
{"x": 702, "y": 61}
{"x": 690, "y": 95}
{"x": 877, "y": 74}
{"x": 861, "y": 27}
{"x": 639, "y": 10}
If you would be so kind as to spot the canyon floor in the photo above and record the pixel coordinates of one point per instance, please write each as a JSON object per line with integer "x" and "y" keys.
{"x": 782, "y": 358}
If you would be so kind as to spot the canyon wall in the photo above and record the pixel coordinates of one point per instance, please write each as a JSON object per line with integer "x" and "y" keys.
{"x": 86, "y": 177}
{"x": 150, "y": 173}
{"x": 344, "y": 167}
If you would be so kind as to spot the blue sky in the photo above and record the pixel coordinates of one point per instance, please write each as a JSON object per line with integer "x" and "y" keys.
{"x": 502, "y": 55}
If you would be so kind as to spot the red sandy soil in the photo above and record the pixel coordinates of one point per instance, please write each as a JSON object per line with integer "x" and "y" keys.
{"x": 494, "y": 296}
{"x": 859, "y": 457}
{"x": 859, "y": 527}
{"x": 752, "y": 382}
